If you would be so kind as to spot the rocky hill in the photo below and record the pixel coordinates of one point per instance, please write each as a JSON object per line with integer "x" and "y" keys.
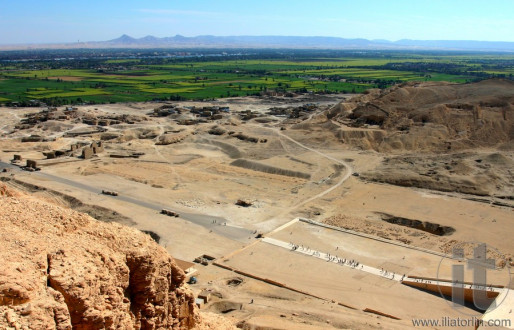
{"x": 62, "y": 269}
{"x": 437, "y": 117}
{"x": 433, "y": 135}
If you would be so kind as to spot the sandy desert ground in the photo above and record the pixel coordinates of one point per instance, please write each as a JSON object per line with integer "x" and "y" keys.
{"x": 311, "y": 160}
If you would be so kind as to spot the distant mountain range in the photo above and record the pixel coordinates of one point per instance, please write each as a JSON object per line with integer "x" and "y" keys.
{"x": 207, "y": 41}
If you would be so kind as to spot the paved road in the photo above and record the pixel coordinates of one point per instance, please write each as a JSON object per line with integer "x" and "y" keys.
{"x": 229, "y": 231}
{"x": 218, "y": 226}
{"x": 8, "y": 166}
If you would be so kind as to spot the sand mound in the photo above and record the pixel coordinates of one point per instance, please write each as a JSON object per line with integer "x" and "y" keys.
{"x": 470, "y": 173}
{"x": 225, "y": 306}
{"x": 229, "y": 149}
{"x": 171, "y": 138}
{"x": 256, "y": 166}
{"x": 55, "y": 126}
{"x": 140, "y": 133}
{"x": 499, "y": 159}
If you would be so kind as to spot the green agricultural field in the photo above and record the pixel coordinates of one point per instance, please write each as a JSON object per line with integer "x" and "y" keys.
{"x": 79, "y": 92}
{"x": 143, "y": 79}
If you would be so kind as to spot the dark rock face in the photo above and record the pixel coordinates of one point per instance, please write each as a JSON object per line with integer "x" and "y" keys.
{"x": 429, "y": 227}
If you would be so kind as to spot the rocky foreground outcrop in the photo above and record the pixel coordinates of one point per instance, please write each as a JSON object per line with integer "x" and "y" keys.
{"x": 63, "y": 269}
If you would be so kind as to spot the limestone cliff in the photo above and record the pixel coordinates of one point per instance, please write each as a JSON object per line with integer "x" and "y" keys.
{"x": 432, "y": 116}
{"x": 62, "y": 269}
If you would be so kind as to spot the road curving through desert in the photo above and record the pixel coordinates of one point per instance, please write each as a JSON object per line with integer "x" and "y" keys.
{"x": 205, "y": 220}
{"x": 272, "y": 223}
{"x": 348, "y": 173}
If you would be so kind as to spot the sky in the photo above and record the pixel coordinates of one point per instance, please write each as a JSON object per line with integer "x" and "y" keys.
{"x": 58, "y": 21}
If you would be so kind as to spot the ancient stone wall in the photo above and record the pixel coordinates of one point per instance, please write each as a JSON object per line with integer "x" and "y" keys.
{"x": 31, "y": 163}
{"x": 87, "y": 152}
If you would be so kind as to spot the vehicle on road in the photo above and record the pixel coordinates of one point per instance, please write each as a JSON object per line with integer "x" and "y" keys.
{"x": 170, "y": 213}
{"x": 109, "y": 192}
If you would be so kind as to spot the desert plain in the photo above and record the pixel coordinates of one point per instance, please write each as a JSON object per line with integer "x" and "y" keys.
{"x": 273, "y": 193}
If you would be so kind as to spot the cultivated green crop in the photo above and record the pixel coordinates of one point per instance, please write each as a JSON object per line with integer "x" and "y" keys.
{"x": 143, "y": 79}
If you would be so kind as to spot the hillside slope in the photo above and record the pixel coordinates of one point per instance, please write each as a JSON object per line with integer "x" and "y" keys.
{"x": 63, "y": 269}
{"x": 437, "y": 117}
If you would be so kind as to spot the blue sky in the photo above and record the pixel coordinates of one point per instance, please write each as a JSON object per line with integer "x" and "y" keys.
{"x": 54, "y": 21}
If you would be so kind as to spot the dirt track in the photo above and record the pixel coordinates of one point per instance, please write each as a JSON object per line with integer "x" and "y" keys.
{"x": 192, "y": 174}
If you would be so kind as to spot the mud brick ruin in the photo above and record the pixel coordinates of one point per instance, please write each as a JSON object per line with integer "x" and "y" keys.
{"x": 93, "y": 149}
